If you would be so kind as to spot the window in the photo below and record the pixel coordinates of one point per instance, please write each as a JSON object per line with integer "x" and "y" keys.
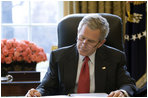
{"x": 33, "y": 20}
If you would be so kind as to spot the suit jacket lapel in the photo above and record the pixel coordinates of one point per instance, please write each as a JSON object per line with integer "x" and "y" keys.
{"x": 101, "y": 65}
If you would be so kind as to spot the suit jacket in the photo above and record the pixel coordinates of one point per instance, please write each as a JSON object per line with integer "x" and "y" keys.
{"x": 61, "y": 75}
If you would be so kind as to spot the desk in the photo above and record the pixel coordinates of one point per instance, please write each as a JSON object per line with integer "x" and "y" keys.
{"x": 25, "y": 75}
{"x": 17, "y": 88}
{"x": 22, "y": 82}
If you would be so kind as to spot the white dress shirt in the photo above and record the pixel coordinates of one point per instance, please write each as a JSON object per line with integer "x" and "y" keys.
{"x": 91, "y": 64}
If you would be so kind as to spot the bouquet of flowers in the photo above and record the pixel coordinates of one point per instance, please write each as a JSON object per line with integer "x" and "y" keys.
{"x": 17, "y": 51}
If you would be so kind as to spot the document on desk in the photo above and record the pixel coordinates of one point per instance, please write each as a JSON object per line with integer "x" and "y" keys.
{"x": 88, "y": 95}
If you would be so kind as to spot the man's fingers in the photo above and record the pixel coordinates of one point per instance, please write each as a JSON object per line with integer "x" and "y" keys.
{"x": 111, "y": 94}
{"x": 28, "y": 95}
{"x": 121, "y": 95}
{"x": 33, "y": 93}
{"x": 116, "y": 94}
{"x": 37, "y": 94}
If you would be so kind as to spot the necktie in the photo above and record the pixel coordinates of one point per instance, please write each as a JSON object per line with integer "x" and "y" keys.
{"x": 84, "y": 80}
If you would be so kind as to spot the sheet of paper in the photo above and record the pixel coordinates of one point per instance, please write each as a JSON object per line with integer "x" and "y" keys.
{"x": 90, "y": 95}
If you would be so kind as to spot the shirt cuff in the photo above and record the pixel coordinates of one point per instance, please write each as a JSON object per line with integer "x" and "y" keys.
{"x": 124, "y": 92}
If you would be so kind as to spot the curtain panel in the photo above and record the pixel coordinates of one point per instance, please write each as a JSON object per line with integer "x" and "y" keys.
{"x": 113, "y": 7}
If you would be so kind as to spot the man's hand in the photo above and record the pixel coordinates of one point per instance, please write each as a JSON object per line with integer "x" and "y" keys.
{"x": 33, "y": 93}
{"x": 117, "y": 93}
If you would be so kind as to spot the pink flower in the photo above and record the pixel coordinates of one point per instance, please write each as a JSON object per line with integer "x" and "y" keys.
{"x": 33, "y": 47}
{"x": 28, "y": 50}
{"x": 40, "y": 56}
{"x": 9, "y": 44}
{"x": 19, "y": 58}
{"x": 25, "y": 41}
{"x": 2, "y": 44}
{"x": 23, "y": 45}
{"x": 12, "y": 50}
{"x": 12, "y": 41}
{"x": 16, "y": 54}
{"x": 10, "y": 55}
{"x": 33, "y": 57}
{"x": 24, "y": 53}
{"x": 19, "y": 49}
{"x": 4, "y": 51}
{"x": 41, "y": 49}
{"x": 8, "y": 60}
{"x": 15, "y": 43}
{"x": 14, "y": 58}
{"x": 4, "y": 41}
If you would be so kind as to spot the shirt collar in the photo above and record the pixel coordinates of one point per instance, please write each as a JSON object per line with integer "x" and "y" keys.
{"x": 91, "y": 57}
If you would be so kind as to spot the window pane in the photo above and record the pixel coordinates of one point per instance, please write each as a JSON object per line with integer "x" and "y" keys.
{"x": 18, "y": 32}
{"x": 44, "y": 36}
{"x": 6, "y": 12}
{"x": 15, "y": 12}
{"x": 44, "y": 11}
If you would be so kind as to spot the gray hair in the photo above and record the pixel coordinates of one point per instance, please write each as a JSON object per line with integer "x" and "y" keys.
{"x": 94, "y": 22}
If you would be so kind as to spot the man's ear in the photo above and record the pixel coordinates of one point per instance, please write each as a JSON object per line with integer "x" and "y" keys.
{"x": 101, "y": 43}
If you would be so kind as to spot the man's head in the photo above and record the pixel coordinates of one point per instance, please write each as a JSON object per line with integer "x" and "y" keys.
{"x": 92, "y": 31}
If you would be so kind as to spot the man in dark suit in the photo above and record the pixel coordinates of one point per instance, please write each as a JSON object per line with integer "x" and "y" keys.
{"x": 88, "y": 66}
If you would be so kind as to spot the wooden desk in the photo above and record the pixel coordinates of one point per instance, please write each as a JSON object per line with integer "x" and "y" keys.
{"x": 25, "y": 75}
{"x": 22, "y": 82}
{"x": 17, "y": 88}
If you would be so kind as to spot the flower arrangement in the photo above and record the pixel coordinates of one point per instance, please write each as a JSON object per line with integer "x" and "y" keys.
{"x": 17, "y": 51}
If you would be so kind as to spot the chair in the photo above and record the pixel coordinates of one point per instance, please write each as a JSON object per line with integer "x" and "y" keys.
{"x": 67, "y": 30}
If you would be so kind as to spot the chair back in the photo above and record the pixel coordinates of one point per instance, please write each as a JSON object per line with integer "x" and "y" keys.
{"x": 67, "y": 30}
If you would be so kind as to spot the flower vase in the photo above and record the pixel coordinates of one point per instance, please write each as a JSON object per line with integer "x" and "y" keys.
{"x": 17, "y": 66}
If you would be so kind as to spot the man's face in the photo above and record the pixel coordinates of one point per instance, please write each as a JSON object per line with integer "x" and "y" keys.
{"x": 88, "y": 41}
